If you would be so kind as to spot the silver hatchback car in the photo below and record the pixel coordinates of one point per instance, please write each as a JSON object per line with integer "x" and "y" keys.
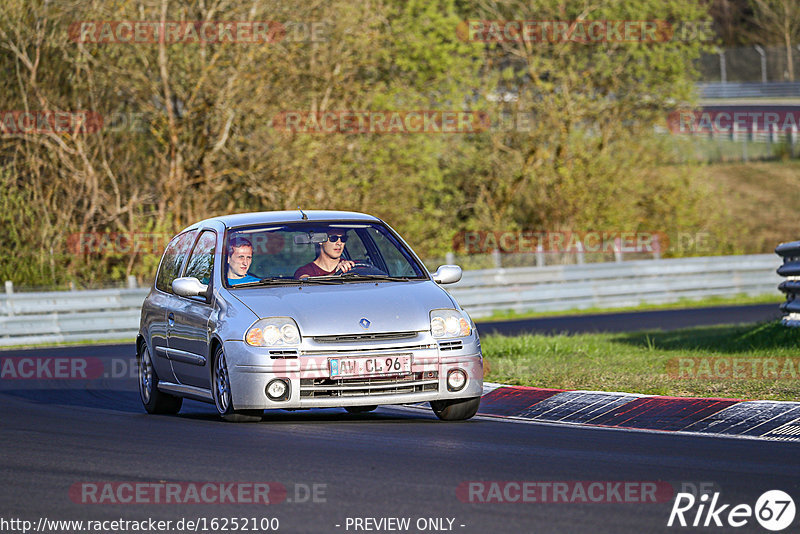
{"x": 294, "y": 310}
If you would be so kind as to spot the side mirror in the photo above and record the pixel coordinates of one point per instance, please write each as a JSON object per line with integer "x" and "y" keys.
{"x": 189, "y": 287}
{"x": 447, "y": 274}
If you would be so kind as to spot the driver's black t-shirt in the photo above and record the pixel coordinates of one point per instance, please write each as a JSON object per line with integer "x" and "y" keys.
{"x": 312, "y": 269}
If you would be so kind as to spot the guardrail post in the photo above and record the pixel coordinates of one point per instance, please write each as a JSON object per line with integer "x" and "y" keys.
{"x": 539, "y": 255}
{"x": 580, "y": 257}
{"x": 617, "y": 249}
{"x": 793, "y": 138}
{"x": 132, "y": 282}
{"x": 10, "y": 291}
{"x": 744, "y": 144}
{"x": 656, "y": 247}
{"x": 496, "y": 259}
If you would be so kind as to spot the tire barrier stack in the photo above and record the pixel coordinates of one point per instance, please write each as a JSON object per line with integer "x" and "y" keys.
{"x": 790, "y": 252}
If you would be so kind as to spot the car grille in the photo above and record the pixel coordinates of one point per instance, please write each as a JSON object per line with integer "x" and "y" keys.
{"x": 283, "y": 354}
{"x": 349, "y": 338}
{"x": 449, "y": 345}
{"x": 358, "y": 387}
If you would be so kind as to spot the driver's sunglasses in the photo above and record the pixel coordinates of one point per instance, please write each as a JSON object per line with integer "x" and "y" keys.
{"x": 334, "y": 238}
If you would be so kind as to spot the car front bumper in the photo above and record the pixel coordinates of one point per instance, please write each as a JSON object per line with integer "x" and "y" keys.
{"x": 251, "y": 369}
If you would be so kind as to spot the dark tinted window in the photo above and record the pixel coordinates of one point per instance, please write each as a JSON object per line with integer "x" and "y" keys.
{"x": 173, "y": 259}
{"x": 201, "y": 261}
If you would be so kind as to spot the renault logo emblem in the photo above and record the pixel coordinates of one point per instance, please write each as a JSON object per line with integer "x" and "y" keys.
{"x": 364, "y": 323}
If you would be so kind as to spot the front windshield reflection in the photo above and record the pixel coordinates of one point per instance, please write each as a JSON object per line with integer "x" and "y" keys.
{"x": 307, "y": 252}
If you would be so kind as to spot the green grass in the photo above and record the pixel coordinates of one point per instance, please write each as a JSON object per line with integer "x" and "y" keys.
{"x": 646, "y": 362}
{"x": 737, "y": 300}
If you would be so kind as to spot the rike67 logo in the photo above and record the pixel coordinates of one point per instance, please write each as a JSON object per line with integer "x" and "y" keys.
{"x": 774, "y": 510}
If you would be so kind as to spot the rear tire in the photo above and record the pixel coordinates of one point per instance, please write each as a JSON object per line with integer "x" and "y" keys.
{"x": 154, "y": 401}
{"x": 456, "y": 409}
{"x": 221, "y": 391}
{"x": 359, "y": 409}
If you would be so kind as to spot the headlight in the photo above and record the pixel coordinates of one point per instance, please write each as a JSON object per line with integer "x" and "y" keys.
{"x": 450, "y": 323}
{"x": 273, "y": 332}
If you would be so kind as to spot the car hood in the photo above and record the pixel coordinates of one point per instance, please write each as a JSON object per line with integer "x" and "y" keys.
{"x": 326, "y": 310}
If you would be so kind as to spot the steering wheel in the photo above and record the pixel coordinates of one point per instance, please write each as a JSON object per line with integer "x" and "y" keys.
{"x": 363, "y": 267}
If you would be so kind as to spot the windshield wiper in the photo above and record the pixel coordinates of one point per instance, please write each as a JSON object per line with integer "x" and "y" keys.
{"x": 280, "y": 281}
{"x": 379, "y": 277}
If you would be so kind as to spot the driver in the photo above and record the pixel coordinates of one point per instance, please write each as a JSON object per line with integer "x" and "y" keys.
{"x": 329, "y": 258}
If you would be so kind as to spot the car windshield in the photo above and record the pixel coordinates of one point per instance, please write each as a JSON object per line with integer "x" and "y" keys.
{"x": 297, "y": 253}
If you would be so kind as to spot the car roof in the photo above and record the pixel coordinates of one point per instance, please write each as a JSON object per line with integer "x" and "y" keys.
{"x": 271, "y": 217}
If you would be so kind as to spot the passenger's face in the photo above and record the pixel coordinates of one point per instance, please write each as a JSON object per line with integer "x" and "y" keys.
{"x": 239, "y": 262}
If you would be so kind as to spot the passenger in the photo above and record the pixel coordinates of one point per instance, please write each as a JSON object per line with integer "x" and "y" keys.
{"x": 329, "y": 257}
{"x": 240, "y": 256}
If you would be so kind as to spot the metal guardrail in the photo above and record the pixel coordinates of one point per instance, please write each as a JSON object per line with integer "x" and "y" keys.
{"x": 58, "y": 316}
{"x": 30, "y": 318}
{"x": 612, "y": 285}
{"x": 749, "y": 90}
{"x": 790, "y": 252}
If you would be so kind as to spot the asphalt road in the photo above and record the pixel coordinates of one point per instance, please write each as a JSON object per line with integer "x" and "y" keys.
{"x": 396, "y": 462}
{"x": 632, "y": 321}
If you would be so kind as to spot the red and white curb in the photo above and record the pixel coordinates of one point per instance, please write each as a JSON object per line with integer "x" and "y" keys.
{"x": 774, "y": 420}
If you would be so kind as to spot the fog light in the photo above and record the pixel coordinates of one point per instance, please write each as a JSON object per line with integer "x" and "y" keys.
{"x": 456, "y": 380}
{"x": 278, "y": 390}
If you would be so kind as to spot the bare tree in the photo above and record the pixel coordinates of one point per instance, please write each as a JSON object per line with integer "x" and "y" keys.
{"x": 778, "y": 21}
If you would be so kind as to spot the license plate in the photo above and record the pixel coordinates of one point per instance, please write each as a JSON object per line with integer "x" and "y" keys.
{"x": 367, "y": 366}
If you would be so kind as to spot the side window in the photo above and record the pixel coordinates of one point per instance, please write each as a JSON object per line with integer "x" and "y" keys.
{"x": 396, "y": 262}
{"x": 201, "y": 261}
{"x": 355, "y": 247}
{"x": 173, "y": 259}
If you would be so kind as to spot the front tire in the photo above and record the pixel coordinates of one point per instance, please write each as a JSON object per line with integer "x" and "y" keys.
{"x": 456, "y": 409}
{"x": 154, "y": 401}
{"x": 221, "y": 391}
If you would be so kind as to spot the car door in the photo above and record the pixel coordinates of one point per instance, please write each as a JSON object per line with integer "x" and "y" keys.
{"x": 189, "y": 333}
{"x": 163, "y": 302}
